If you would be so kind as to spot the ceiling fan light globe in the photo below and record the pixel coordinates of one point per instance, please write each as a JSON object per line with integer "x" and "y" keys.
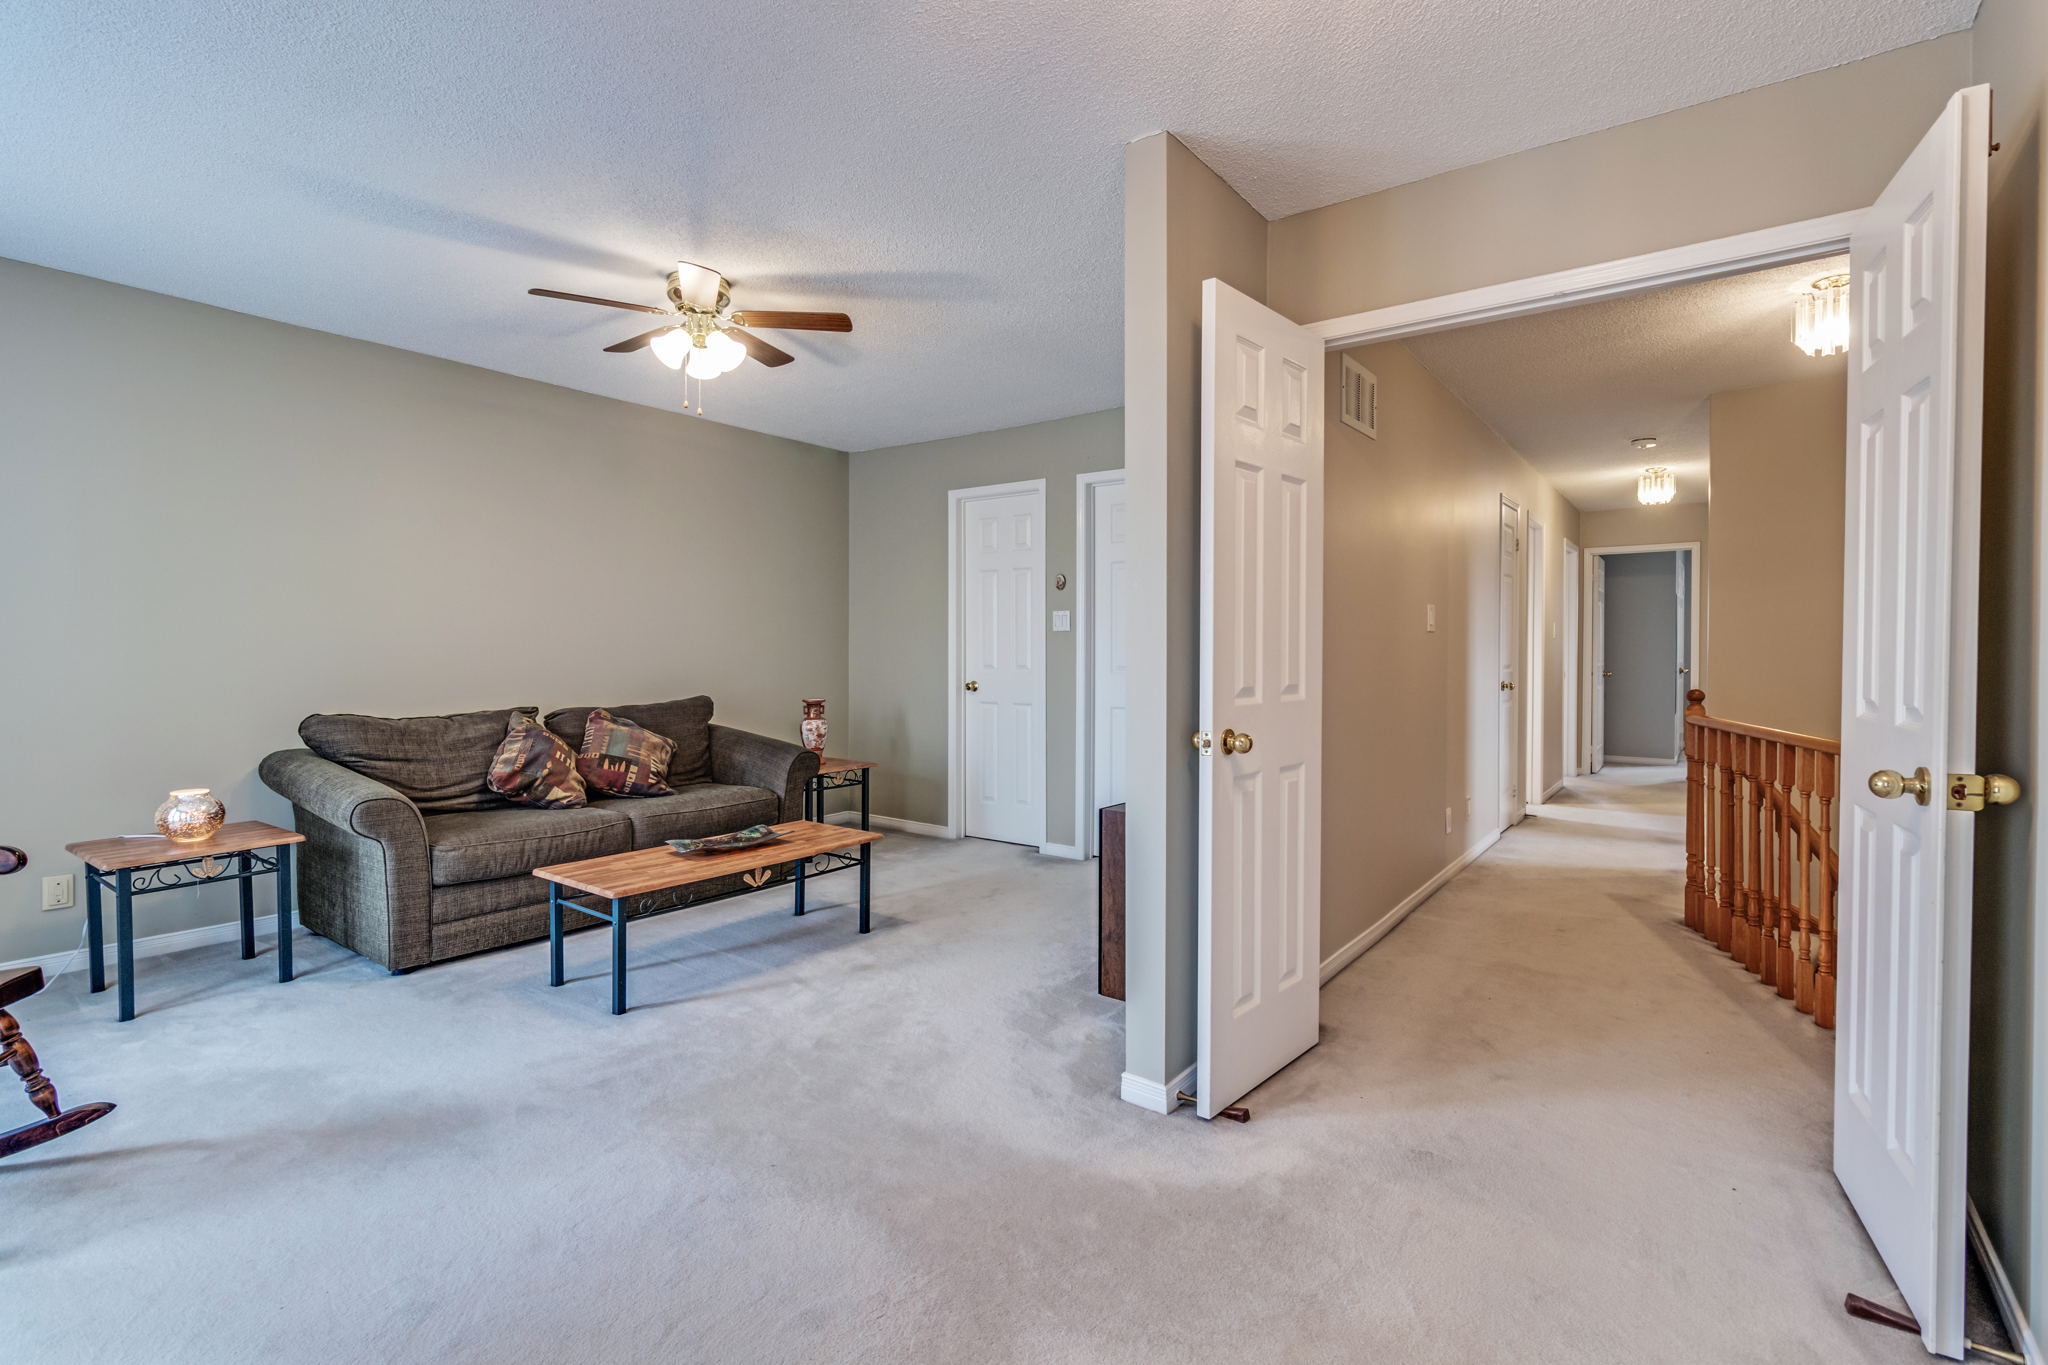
{"x": 703, "y": 365}
{"x": 728, "y": 353}
{"x": 671, "y": 348}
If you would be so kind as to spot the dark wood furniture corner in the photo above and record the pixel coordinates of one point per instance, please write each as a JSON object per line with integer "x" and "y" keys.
{"x": 16, "y": 1053}
{"x": 1109, "y": 900}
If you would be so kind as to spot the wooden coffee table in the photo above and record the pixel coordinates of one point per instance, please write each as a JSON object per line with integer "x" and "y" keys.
{"x": 647, "y": 877}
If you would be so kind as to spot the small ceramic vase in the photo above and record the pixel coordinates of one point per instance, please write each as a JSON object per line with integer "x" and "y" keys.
{"x": 191, "y": 814}
{"x": 814, "y": 725}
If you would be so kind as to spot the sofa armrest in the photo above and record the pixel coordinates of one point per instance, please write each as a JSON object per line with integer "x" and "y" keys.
{"x": 363, "y": 872}
{"x": 740, "y": 758}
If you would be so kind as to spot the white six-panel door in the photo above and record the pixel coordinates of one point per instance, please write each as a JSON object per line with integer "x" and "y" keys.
{"x": 1001, "y": 668}
{"x": 1259, "y": 880}
{"x": 1909, "y": 652}
{"x": 1109, "y": 640}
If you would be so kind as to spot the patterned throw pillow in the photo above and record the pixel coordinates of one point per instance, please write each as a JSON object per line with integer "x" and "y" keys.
{"x": 534, "y": 768}
{"x": 620, "y": 758}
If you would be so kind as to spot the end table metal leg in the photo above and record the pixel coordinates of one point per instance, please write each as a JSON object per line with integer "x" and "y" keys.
{"x": 248, "y": 889}
{"x": 124, "y": 940}
{"x": 810, "y": 798}
{"x": 864, "y": 886}
{"x": 864, "y": 799}
{"x": 800, "y": 884}
{"x": 284, "y": 911}
{"x": 95, "y": 933}
{"x": 554, "y": 934}
{"x": 618, "y": 957}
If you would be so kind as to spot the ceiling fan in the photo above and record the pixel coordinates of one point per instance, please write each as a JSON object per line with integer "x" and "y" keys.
{"x": 707, "y": 338}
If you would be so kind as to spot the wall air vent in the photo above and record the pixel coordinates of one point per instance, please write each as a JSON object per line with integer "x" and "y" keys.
{"x": 1361, "y": 398}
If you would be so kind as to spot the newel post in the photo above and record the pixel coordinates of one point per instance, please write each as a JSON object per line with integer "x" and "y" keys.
{"x": 1695, "y": 814}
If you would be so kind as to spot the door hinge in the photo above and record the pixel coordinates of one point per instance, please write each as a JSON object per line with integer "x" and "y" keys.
{"x": 1970, "y": 791}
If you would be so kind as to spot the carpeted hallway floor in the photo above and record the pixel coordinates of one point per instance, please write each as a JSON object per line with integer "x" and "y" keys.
{"x": 1545, "y": 1123}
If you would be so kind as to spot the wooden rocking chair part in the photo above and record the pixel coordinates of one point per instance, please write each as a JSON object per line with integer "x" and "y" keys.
{"x": 16, "y": 1053}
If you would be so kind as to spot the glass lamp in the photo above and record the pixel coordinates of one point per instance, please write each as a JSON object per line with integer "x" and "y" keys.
{"x": 1820, "y": 320}
{"x": 1655, "y": 486}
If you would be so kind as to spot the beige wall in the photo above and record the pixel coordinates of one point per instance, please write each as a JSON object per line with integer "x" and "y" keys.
{"x": 1774, "y": 625}
{"x": 2009, "y": 992}
{"x": 221, "y": 524}
{"x": 1820, "y": 144}
{"x": 896, "y": 580}
{"x": 1412, "y": 518}
{"x": 1182, "y": 225}
{"x": 1672, "y": 524}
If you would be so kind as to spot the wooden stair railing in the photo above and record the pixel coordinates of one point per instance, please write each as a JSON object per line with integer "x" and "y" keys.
{"x": 1760, "y": 861}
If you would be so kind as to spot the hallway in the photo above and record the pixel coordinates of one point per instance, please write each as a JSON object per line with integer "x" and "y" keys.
{"x": 1614, "y": 1120}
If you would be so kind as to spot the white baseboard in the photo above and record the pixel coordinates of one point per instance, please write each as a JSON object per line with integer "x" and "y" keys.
{"x": 1160, "y": 1099}
{"x": 154, "y": 945}
{"x": 852, "y": 817}
{"x": 1626, "y": 761}
{"x": 2002, "y": 1293}
{"x": 1555, "y": 788}
{"x": 1062, "y": 851}
{"x": 1352, "y": 951}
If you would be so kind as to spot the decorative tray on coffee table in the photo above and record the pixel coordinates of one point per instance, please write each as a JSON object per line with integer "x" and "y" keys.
{"x": 753, "y": 836}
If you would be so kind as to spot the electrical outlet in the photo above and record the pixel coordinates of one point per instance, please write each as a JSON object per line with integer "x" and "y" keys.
{"x": 1430, "y": 619}
{"x": 58, "y": 892}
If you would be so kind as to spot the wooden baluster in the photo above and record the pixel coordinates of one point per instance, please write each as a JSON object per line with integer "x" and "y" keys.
{"x": 1824, "y": 904}
{"x": 1788, "y": 756}
{"x": 1748, "y": 933}
{"x": 1695, "y": 814}
{"x": 1802, "y": 969}
{"x": 1767, "y": 894}
{"x": 1727, "y": 909}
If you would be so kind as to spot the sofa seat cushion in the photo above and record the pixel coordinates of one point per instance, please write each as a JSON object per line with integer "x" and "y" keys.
{"x": 693, "y": 812}
{"x": 482, "y": 845}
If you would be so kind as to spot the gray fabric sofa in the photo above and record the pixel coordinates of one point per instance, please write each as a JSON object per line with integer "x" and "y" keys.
{"x": 410, "y": 859}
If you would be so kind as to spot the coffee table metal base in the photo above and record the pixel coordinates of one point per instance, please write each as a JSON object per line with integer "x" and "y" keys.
{"x": 616, "y": 914}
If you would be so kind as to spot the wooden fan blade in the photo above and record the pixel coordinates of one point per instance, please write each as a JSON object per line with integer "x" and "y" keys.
{"x": 639, "y": 342}
{"x": 759, "y": 349}
{"x": 608, "y": 303}
{"x": 796, "y": 322}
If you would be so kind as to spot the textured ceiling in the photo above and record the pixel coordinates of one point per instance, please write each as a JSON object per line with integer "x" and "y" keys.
{"x": 1571, "y": 389}
{"x": 949, "y": 172}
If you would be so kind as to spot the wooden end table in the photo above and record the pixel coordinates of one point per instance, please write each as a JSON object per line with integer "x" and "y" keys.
{"x": 144, "y": 866}
{"x": 833, "y": 774}
{"x": 649, "y": 877}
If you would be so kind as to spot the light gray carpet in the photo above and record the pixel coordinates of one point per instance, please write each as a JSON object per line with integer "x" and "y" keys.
{"x": 1545, "y": 1123}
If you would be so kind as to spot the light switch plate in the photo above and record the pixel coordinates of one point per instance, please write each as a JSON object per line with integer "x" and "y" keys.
{"x": 1431, "y": 619}
{"x": 1063, "y": 620}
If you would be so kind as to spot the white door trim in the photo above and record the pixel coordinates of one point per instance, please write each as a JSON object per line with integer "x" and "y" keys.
{"x": 1535, "y": 652}
{"x": 1723, "y": 256}
{"x": 1512, "y": 776}
{"x": 1570, "y": 665}
{"x": 1691, "y": 550}
{"x": 1084, "y": 653}
{"x": 956, "y": 791}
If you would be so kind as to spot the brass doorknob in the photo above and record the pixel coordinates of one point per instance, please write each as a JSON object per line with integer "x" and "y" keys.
{"x": 1236, "y": 743}
{"x": 1889, "y": 784}
{"x": 1201, "y": 740}
{"x": 1607, "y": 673}
{"x": 1507, "y": 687}
{"x": 973, "y": 686}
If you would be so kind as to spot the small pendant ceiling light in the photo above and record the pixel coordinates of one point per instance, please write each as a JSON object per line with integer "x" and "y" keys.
{"x": 1820, "y": 320}
{"x": 1655, "y": 486}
